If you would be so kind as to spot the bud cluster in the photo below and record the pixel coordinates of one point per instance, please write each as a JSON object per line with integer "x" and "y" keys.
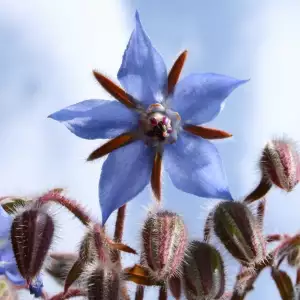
{"x": 168, "y": 259}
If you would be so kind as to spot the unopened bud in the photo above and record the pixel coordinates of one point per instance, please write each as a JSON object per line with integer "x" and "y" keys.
{"x": 164, "y": 243}
{"x": 239, "y": 231}
{"x": 280, "y": 163}
{"x": 103, "y": 283}
{"x": 293, "y": 258}
{"x": 203, "y": 272}
{"x": 60, "y": 264}
{"x": 31, "y": 235}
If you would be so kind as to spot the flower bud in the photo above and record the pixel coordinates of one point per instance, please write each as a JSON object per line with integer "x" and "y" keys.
{"x": 293, "y": 258}
{"x": 103, "y": 283}
{"x": 203, "y": 272}
{"x": 239, "y": 231}
{"x": 164, "y": 242}
{"x": 280, "y": 163}
{"x": 284, "y": 284}
{"x": 31, "y": 235}
{"x": 60, "y": 264}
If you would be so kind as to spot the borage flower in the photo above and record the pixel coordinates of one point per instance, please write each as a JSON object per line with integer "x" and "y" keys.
{"x": 153, "y": 120}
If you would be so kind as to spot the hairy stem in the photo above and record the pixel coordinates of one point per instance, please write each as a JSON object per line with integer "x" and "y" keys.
{"x": 261, "y": 208}
{"x": 139, "y": 293}
{"x": 71, "y": 205}
{"x": 259, "y": 267}
{"x": 208, "y": 228}
{"x": 118, "y": 235}
{"x": 298, "y": 277}
{"x": 276, "y": 237}
{"x": 163, "y": 293}
{"x": 119, "y": 230}
{"x": 259, "y": 192}
{"x": 69, "y": 294}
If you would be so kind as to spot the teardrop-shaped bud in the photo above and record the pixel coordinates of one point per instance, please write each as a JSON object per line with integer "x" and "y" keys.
{"x": 239, "y": 231}
{"x": 103, "y": 282}
{"x": 289, "y": 248}
{"x": 94, "y": 246}
{"x": 280, "y": 163}
{"x": 284, "y": 284}
{"x": 164, "y": 239}
{"x": 203, "y": 272}
{"x": 31, "y": 235}
{"x": 293, "y": 258}
{"x": 87, "y": 254}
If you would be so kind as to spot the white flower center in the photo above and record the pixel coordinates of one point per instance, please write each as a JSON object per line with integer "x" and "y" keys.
{"x": 159, "y": 125}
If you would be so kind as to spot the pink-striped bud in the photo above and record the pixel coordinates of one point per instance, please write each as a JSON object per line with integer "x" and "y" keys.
{"x": 31, "y": 236}
{"x": 103, "y": 283}
{"x": 164, "y": 243}
{"x": 203, "y": 273}
{"x": 280, "y": 163}
{"x": 239, "y": 231}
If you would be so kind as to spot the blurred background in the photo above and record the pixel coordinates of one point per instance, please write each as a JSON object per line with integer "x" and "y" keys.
{"x": 48, "y": 50}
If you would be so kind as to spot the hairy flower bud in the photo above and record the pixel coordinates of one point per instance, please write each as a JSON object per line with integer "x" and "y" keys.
{"x": 203, "y": 272}
{"x": 31, "y": 235}
{"x": 293, "y": 258}
{"x": 103, "y": 283}
{"x": 164, "y": 242}
{"x": 280, "y": 163}
{"x": 238, "y": 229}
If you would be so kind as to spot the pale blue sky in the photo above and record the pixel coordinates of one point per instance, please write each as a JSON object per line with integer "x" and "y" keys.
{"x": 49, "y": 48}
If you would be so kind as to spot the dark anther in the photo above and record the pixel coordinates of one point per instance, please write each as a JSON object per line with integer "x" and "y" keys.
{"x": 158, "y": 131}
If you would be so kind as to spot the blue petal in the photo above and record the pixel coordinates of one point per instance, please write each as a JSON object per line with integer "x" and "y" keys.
{"x": 194, "y": 166}
{"x": 199, "y": 98}
{"x": 12, "y": 272}
{"x": 143, "y": 73}
{"x": 2, "y": 270}
{"x": 125, "y": 174}
{"x": 15, "y": 277}
{"x": 96, "y": 119}
{"x": 36, "y": 288}
{"x": 5, "y": 224}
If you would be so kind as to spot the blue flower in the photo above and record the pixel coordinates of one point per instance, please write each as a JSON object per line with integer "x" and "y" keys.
{"x": 154, "y": 118}
{"x": 8, "y": 265}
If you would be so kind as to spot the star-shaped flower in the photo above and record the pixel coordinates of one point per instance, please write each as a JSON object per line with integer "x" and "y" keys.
{"x": 154, "y": 119}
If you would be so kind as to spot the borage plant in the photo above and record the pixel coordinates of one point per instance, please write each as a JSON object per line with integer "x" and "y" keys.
{"x": 156, "y": 119}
